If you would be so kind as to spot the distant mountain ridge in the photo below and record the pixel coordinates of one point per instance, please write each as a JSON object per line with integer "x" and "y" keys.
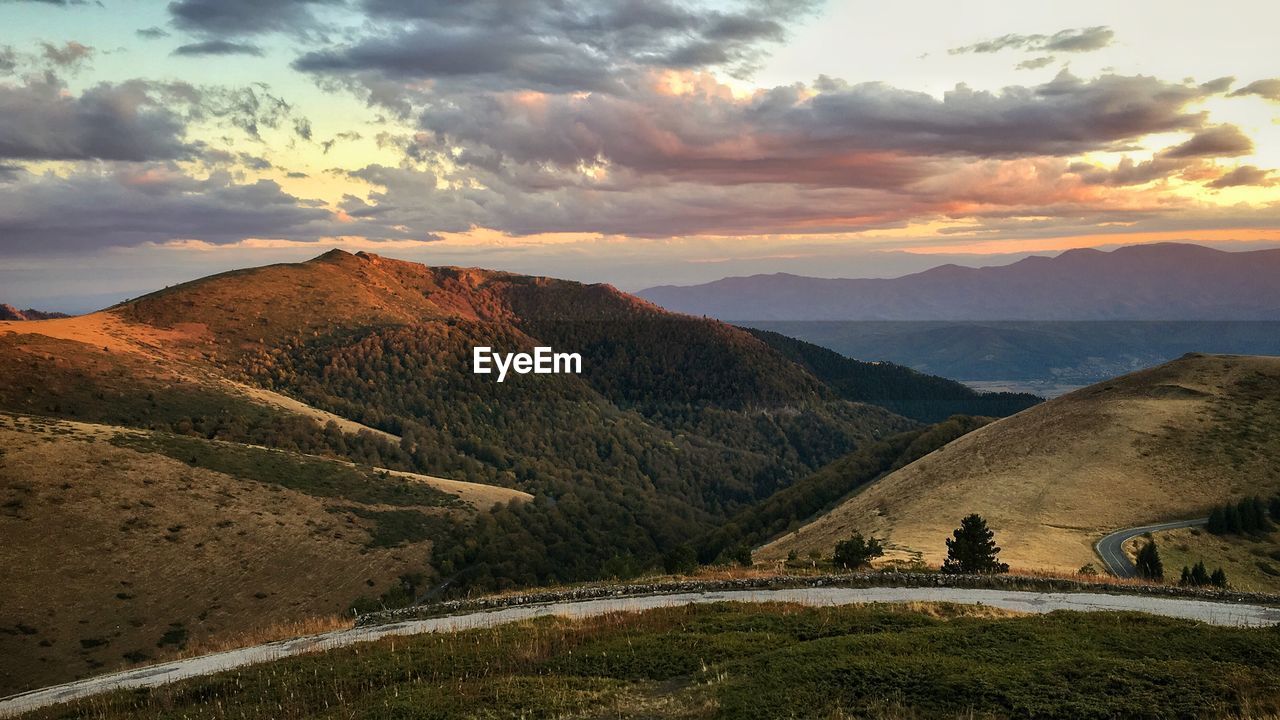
{"x": 1161, "y": 281}
{"x": 9, "y": 312}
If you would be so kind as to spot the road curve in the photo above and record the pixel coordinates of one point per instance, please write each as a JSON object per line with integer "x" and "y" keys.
{"x": 1214, "y": 613}
{"x": 1111, "y": 547}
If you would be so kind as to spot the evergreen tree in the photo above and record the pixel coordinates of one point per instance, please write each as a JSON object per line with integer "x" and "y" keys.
{"x": 857, "y": 551}
{"x": 1233, "y": 521}
{"x": 1185, "y": 579}
{"x": 972, "y": 549}
{"x": 1219, "y": 578}
{"x": 1148, "y": 563}
{"x": 1275, "y": 509}
{"x": 1217, "y": 521}
{"x": 1199, "y": 574}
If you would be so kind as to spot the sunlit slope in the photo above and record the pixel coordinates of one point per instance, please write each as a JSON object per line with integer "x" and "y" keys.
{"x": 124, "y": 545}
{"x": 1164, "y": 443}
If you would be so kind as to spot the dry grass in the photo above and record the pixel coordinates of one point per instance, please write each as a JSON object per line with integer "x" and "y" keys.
{"x": 114, "y": 557}
{"x": 1165, "y": 443}
{"x": 286, "y": 630}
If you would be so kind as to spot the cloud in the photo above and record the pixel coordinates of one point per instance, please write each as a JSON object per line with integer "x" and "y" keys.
{"x": 1244, "y": 175}
{"x": 69, "y": 56}
{"x": 217, "y": 47}
{"x": 154, "y": 32}
{"x": 1217, "y": 141}
{"x": 560, "y": 46}
{"x": 125, "y": 121}
{"x": 244, "y": 17}
{"x": 1036, "y": 63}
{"x": 869, "y": 134}
{"x": 1071, "y": 40}
{"x": 1269, "y": 89}
{"x": 92, "y": 210}
{"x": 8, "y": 60}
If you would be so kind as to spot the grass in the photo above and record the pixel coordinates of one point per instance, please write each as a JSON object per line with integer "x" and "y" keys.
{"x": 770, "y": 661}
{"x": 313, "y": 476}
{"x": 1251, "y": 562}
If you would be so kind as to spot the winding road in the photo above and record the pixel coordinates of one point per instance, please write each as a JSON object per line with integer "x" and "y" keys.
{"x": 1215, "y": 613}
{"x": 1111, "y": 547}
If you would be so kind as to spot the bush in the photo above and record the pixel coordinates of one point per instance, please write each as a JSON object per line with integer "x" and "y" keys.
{"x": 857, "y": 551}
{"x": 680, "y": 560}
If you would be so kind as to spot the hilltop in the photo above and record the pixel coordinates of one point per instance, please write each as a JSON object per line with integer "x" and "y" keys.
{"x": 1160, "y": 444}
{"x": 1160, "y": 281}
{"x": 226, "y": 444}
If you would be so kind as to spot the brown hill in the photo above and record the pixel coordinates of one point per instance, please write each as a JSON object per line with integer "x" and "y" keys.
{"x": 271, "y": 398}
{"x": 1161, "y": 444}
{"x": 11, "y": 313}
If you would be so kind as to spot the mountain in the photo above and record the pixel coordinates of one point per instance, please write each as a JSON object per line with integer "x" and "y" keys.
{"x": 241, "y": 452}
{"x": 11, "y": 313}
{"x": 1164, "y": 281}
{"x": 1035, "y": 354}
{"x": 913, "y": 394}
{"x": 1160, "y": 444}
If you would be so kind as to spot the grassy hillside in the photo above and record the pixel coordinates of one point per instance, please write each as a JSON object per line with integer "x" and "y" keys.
{"x": 124, "y": 546}
{"x": 733, "y": 661}
{"x": 818, "y": 492}
{"x": 675, "y": 424}
{"x": 1164, "y": 443}
{"x": 927, "y": 398}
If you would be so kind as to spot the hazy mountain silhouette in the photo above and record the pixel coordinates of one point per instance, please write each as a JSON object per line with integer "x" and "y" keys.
{"x": 1165, "y": 281}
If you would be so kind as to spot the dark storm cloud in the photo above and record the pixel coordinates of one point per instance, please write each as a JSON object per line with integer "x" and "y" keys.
{"x": 217, "y": 47}
{"x": 559, "y": 46}
{"x": 91, "y": 211}
{"x": 1269, "y": 89}
{"x": 126, "y": 121}
{"x": 1217, "y": 141}
{"x": 1244, "y": 175}
{"x": 244, "y": 17}
{"x": 1071, "y": 40}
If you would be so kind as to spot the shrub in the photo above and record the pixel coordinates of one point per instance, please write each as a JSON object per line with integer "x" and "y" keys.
{"x": 857, "y": 551}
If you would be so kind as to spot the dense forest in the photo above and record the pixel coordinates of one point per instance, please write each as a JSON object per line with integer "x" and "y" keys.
{"x": 913, "y": 394}
{"x": 625, "y": 461}
{"x": 675, "y": 427}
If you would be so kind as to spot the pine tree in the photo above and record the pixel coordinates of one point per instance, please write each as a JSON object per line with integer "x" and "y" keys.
{"x": 1233, "y": 521}
{"x": 857, "y": 551}
{"x": 1275, "y": 509}
{"x": 1217, "y": 521}
{"x": 1219, "y": 578}
{"x": 1185, "y": 580}
{"x": 1148, "y": 563}
{"x": 972, "y": 549}
{"x": 1199, "y": 574}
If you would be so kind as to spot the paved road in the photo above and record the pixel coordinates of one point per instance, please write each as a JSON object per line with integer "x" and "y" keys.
{"x": 1111, "y": 547}
{"x": 1215, "y": 613}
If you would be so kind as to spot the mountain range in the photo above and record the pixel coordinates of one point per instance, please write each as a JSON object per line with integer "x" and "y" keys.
{"x": 1162, "y": 281}
{"x": 250, "y": 449}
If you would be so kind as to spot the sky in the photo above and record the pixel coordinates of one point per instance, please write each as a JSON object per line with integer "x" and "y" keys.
{"x": 636, "y": 142}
